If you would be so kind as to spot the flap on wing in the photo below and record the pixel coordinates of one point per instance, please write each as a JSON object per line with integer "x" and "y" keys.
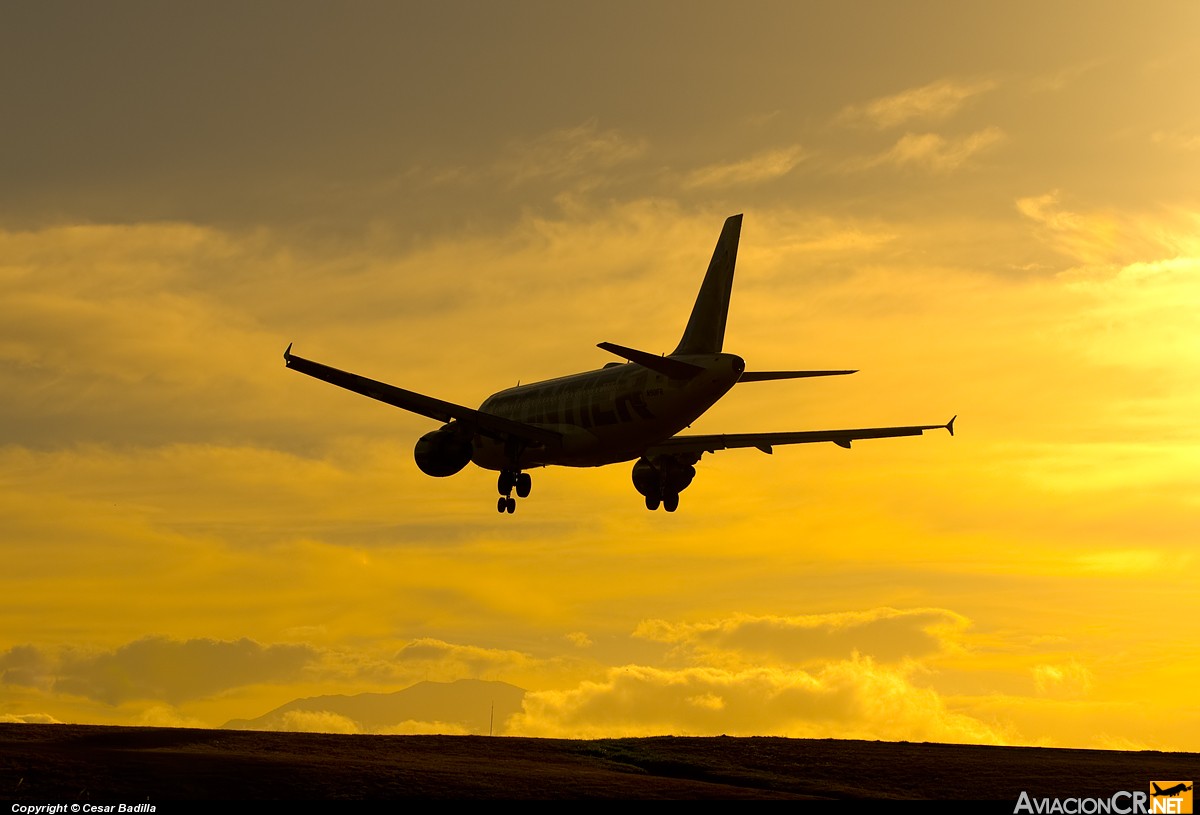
{"x": 437, "y": 409}
{"x": 764, "y": 441}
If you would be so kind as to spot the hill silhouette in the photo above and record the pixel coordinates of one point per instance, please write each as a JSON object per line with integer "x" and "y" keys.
{"x": 468, "y": 706}
{"x": 68, "y": 763}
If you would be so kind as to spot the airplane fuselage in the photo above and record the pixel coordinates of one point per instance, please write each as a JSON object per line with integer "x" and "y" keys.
{"x": 606, "y": 416}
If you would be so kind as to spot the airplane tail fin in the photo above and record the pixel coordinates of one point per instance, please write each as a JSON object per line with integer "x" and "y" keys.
{"x": 705, "y": 332}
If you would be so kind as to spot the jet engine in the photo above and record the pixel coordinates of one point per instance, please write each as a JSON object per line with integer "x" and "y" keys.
{"x": 661, "y": 480}
{"x": 443, "y": 452}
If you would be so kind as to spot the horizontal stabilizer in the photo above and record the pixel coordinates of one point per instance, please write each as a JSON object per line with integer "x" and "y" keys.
{"x": 666, "y": 366}
{"x": 764, "y": 376}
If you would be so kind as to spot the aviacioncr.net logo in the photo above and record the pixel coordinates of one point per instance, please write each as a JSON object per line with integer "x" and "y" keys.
{"x": 1163, "y": 798}
{"x": 1171, "y": 797}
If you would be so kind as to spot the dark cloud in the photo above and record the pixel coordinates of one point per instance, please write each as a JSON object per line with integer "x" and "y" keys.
{"x": 311, "y": 115}
{"x": 157, "y": 668}
{"x": 24, "y": 665}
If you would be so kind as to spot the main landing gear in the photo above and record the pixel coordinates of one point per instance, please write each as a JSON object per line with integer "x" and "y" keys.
{"x": 662, "y": 479}
{"x": 669, "y": 501}
{"x": 506, "y": 483}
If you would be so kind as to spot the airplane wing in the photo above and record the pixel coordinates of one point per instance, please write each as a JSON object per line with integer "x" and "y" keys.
{"x": 485, "y": 423}
{"x": 698, "y": 445}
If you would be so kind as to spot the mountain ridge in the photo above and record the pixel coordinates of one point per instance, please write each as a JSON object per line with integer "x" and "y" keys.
{"x": 462, "y": 707}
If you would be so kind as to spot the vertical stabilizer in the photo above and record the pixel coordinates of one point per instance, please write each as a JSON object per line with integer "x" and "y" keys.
{"x": 705, "y": 332}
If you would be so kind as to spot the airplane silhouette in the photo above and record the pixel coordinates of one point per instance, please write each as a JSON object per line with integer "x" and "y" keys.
{"x": 626, "y": 411}
{"x": 1170, "y": 791}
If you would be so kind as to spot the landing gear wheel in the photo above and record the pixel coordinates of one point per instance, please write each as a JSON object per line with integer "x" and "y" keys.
{"x": 671, "y": 501}
{"x": 505, "y": 483}
{"x": 651, "y": 502}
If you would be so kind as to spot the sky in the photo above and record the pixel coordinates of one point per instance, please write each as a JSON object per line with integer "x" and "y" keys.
{"x": 990, "y": 210}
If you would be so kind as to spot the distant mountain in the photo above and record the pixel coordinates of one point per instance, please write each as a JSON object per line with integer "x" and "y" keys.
{"x": 468, "y": 706}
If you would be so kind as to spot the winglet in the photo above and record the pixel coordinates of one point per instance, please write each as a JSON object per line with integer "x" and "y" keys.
{"x": 287, "y": 354}
{"x": 950, "y": 424}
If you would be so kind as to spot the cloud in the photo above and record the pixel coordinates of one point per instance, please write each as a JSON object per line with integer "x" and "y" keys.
{"x": 130, "y": 332}
{"x": 28, "y": 718}
{"x": 26, "y": 666}
{"x": 1064, "y": 717}
{"x": 846, "y": 675}
{"x": 931, "y": 151}
{"x": 569, "y": 152}
{"x": 1064, "y": 78}
{"x": 933, "y": 102}
{"x": 579, "y": 639}
{"x": 1127, "y": 562}
{"x": 1113, "y": 243}
{"x": 315, "y": 721}
{"x": 215, "y": 506}
{"x": 172, "y": 332}
{"x": 765, "y": 166}
{"x": 166, "y": 716}
{"x": 451, "y": 661}
{"x": 418, "y": 728}
{"x": 156, "y": 668}
{"x": 1065, "y": 680}
{"x": 854, "y": 698}
{"x": 1183, "y": 141}
{"x": 885, "y": 635}
{"x": 1087, "y": 238}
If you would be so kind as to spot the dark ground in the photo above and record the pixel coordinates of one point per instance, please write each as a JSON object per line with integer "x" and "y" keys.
{"x": 69, "y": 763}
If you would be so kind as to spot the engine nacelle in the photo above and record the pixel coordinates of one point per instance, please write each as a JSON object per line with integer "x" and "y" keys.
{"x": 664, "y": 475}
{"x": 443, "y": 452}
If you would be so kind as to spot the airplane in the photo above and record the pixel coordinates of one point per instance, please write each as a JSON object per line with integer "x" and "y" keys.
{"x": 624, "y": 411}
{"x": 1178, "y": 789}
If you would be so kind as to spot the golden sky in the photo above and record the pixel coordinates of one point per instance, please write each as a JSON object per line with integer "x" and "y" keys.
{"x": 992, "y": 210}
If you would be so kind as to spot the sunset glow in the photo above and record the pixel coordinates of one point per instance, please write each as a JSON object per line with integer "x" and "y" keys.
{"x": 990, "y": 211}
